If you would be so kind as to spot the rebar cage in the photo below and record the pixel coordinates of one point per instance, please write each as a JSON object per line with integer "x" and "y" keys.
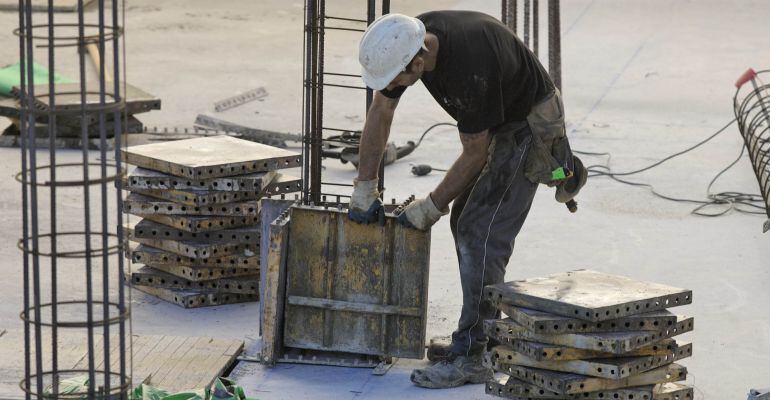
{"x": 752, "y": 112}
{"x": 101, "y": 316}
{"x": 523, "y": 17}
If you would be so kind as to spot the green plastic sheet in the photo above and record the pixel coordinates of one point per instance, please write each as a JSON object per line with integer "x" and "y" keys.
{"x": 10, "y": 77}
{"x": 222, "y": 389}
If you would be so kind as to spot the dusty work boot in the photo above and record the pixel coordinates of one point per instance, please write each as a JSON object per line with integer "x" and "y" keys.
{"x": 439, "y": 348}
{"x": 567, "y": 191}
{"x": 456, "y": 370}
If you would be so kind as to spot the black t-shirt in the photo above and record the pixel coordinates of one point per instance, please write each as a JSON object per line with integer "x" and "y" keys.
{"x": 484, "y": 74}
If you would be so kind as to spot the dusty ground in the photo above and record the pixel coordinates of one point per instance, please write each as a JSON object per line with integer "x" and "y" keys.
{"x": 642, "y": 79}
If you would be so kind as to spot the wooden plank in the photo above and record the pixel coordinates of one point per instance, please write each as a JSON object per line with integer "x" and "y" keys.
{"x": 177, "y": 362}
{"x": 210, "y": 157}
{"x": 588, "y": 295}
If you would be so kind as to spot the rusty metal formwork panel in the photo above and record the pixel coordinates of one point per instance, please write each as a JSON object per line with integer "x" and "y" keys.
{"x": 274, "y": 246}
{"x": 141, "y": 178}
{"x": 610, "y": 368}
{"x": 355, "y": 288}
{"x": 67, "y": 97}
{"x": 192, "y": 198}
{"x": 609, "y": 342}
{"x": 197, "y": 249}
{"x": 588, "y": 295}
{"x": 195, "y": 223}
{"x": 546, "y": 323}
{"x": 195, "y": 299}
{"x": 552, "y": 352}
{"x": 210, "y": 157}
{"x": 138, "y": 204}
{"x": 146, "y": 229}
{"x": 514, "y": 389}
{"x": 147, "y": 276}
{"x": 569, "y": 383}
{"x": 156, "y": 257}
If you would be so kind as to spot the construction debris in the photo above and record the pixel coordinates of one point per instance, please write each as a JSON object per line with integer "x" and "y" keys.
{"x": 588, "y": 335}
{"x": 243, "y": 98}
{"x": 199, "y": 237}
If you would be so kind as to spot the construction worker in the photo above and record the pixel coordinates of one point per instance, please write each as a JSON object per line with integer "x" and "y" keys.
{"x": 511, "y": 123}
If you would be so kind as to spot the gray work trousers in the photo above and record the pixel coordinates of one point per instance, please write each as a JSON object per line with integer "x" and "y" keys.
{"x": 485, "y": 220}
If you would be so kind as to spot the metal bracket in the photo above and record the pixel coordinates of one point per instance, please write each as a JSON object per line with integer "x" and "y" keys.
{"x": 384, "y": 366}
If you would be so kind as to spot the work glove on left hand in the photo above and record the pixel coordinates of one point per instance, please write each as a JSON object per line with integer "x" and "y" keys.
{"x": 421, "y": 214}
{"x": 365, "y": 204}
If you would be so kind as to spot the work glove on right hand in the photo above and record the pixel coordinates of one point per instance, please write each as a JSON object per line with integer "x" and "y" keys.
{"x": 421, "y": 214}
{"x": 365, "y": 204}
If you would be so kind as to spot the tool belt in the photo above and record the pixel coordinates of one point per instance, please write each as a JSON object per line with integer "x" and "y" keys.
{"x": 550, "y": 158}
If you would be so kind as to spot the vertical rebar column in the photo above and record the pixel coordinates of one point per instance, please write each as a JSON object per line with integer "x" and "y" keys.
{"x": 42, "y": 316}
{"x": 315, "y": 124}
{"x": 536, "y": 27}
{"x": 308, "y": 97}
{"x": 527, "y": 15}
{"x": 554, "y": 42}
{"x": 317, "y": 137}
{"x": 370, "y": 19}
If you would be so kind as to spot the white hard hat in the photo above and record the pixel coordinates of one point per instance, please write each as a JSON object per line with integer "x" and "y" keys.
{"x": 388, "y": 46}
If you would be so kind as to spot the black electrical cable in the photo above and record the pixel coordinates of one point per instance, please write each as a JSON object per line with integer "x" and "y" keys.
{"x": 733, "y": 200}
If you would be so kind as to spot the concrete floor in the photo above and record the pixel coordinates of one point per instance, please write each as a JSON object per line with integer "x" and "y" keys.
{"x": 642, "y": 79}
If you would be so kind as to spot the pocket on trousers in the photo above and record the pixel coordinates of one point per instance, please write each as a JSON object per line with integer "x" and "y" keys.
{"x": 546, "y": 119}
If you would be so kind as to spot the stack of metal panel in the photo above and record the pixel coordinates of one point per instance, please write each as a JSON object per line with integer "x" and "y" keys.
{"x": 588, "y": 335}
{"x": 69, "y": 128}
{"x": 198, "y": 199}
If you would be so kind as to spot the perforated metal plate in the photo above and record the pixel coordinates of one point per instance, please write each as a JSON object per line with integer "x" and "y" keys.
{"x": 280, "y": 185}
{"x": 146, "y": 229}
{"x": 163, "y": 259}
{"x": 197, "y": 249}
{"x": 610, "y": 368}
{"x": 210, "y": 157}
{"x": 195, "y": 300}
{"x": 568, "y": 383}
{"x": 141, "y": 178}
{"x": 511, "y": 388}
{"x": 138, "y": 204}
{"x": 609, "y": 342}
{"x": 542, "y": 322}
{"x": 148, "y": 276}
{"x": 192, "y": 223}
{"x": 588, "y": 295}
{"x": 673, "y": 391}
{"x": 544, "y": 352}
{"x": 68, "y": 97}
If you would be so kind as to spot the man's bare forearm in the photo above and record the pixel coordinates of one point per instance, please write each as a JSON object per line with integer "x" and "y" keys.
{"x": 374, "y": 138}
{"x": 457, "y": 179}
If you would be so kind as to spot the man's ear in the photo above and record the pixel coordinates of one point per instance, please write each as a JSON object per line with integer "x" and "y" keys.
{"x": 418, "y": 64}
